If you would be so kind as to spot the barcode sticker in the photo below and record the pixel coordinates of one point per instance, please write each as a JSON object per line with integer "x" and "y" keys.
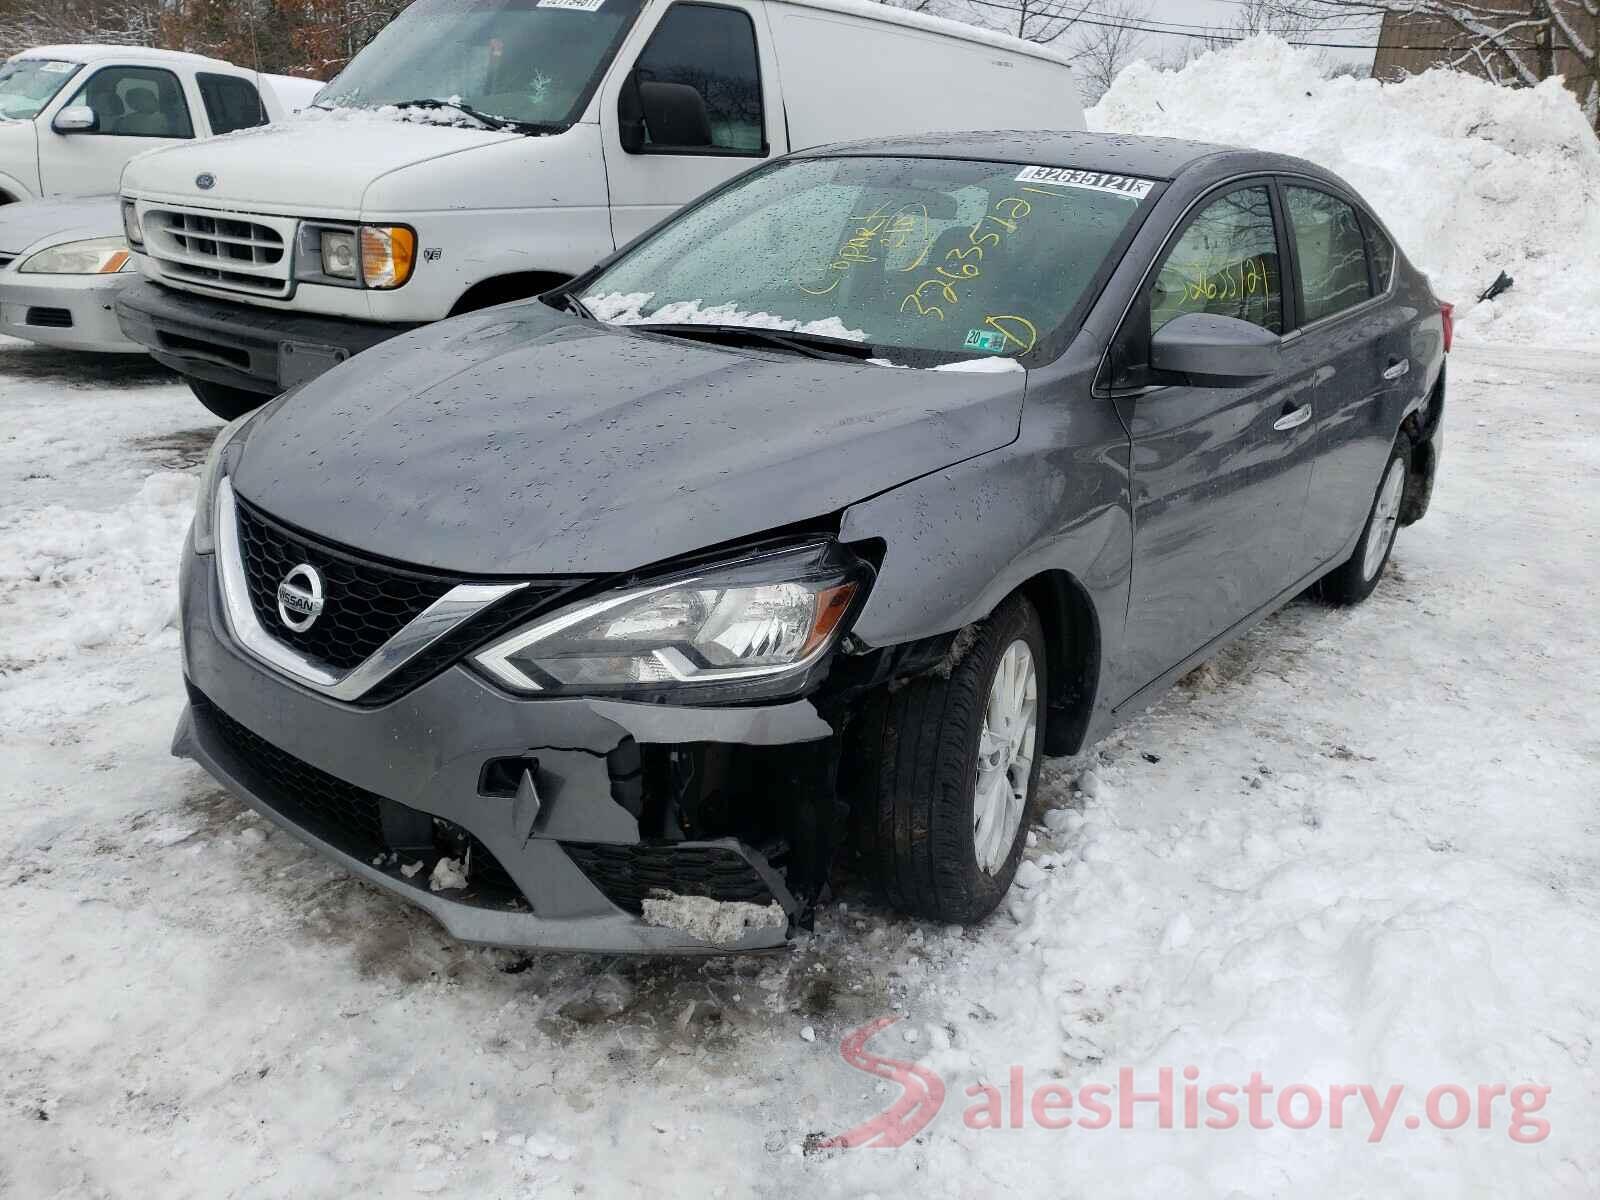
{"x": 1131, "y": 186}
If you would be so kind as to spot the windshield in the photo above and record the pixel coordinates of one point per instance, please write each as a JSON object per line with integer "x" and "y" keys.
{"x": 28, "y": 84}
{"x": 530, "y": 61}
{"x": 963, "y": 259}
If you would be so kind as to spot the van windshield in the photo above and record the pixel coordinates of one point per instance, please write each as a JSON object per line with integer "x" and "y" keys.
{"x": 926, "y": 260}
{"x": 534, "y": 62}
{"x": 28, "y": 84}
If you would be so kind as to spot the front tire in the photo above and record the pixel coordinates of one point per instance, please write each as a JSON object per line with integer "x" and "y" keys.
{"x": 226, "y": 402}
{"x": 1353, "y": 582}
{"x": 951, "y": 763}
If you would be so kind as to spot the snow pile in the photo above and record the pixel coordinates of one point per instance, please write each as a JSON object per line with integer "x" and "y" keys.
{"x": 1471, "y": 179}
{"x": 74, "y": 580}
{"x": 720, "y": 922}
{"x": 618, "y": 308}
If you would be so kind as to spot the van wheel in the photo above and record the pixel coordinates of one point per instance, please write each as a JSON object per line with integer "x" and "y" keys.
{"x": 226, "y": 402}
{"x": 952, "y": 765}
{"x": 1353, "y": 582}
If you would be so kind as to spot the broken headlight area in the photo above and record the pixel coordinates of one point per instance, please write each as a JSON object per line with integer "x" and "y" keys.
{"x": 726, "y": 632}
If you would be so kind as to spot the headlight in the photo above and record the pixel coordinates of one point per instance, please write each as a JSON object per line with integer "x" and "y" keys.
{"x": 214, "y": 470}
{"x": 388, "y": 252}
{"x": 131, "y": 225}
{"x": 339, "y": 253}
{"x": 99, "y": 256}
{"x": 759, "y": 624}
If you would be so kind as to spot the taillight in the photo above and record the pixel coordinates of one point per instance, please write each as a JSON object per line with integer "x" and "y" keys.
{"x": 1448, "y": 312}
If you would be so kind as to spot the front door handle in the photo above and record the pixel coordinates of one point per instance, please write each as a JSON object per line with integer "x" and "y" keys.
{"x": 1293, "y": 419}
{"x": 1397, "y": 368}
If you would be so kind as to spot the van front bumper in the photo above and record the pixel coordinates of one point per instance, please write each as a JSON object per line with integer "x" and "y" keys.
{"x": 367, "y": 786}
{"x": 239, "y": 345}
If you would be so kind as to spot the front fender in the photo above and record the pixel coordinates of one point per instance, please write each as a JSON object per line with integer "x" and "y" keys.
{"x": 960, "y": 540}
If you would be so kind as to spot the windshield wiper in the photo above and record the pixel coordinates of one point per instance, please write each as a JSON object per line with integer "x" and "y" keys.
{"x": 812, "y": 345}
{"x": 488, "y": 120}
{"x": 576, "y": 307}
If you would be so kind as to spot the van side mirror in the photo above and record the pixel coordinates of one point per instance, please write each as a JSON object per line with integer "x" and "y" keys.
{"x": 76, "y": 118}
{"x": 1215, "y": 351}
{"x": 673, "y": 114}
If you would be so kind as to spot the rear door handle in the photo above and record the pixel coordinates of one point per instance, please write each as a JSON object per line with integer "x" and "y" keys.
{"x": 1397, "y": 368}
{"x": 1293, "y": 419}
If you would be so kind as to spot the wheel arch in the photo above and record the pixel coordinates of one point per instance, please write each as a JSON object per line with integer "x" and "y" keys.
{"x": 1072, "y": 642}
{"x": 502, "y": 289}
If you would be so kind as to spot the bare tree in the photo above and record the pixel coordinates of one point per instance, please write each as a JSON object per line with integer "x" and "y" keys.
{"x": 1101, "y": 51}
{"x": 1515, "y": 43}
{"x": 1040, "y": 21}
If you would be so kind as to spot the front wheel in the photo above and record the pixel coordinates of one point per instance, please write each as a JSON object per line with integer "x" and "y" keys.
{"x": 226, "y": 402}
{"x": 952, "y": 764}
{"x": 1353, "y": 582}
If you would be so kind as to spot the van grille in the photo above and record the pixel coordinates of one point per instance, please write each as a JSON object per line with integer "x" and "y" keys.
{"x": 232, "y": 251}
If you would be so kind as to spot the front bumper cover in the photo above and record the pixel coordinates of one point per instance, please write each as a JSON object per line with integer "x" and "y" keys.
{"x": 237, "y": 345}
{"x": 73, "y": 312}
{"x": 424, "y": 754}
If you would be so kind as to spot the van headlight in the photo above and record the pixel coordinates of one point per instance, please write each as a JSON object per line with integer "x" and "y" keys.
{"x": 381, "y": 257}
{"x": 756, "y": 625}
{"x": 131, "y": 225}
{"x": 96, "y": 256}
{"x": 218, "y": 462}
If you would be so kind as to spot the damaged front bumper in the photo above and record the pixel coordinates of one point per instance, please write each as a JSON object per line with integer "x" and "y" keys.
{"x": 569, "y": 816}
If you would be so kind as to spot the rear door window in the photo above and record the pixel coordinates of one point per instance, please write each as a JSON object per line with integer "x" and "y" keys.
{"x": 1225, "y": 264}
{"x": 710, "y": 51}
{"x": 231, "y": 103}
{"x": 1331, "y": 251}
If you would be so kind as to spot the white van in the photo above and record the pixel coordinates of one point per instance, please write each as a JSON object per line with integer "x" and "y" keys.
{"x": 479, "y": 151}
{"x": 71, "y": 116}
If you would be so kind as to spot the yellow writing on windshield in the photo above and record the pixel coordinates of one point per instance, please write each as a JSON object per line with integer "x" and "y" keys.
{"x": 963, "y": 264}
{"x": 881, "y": 231}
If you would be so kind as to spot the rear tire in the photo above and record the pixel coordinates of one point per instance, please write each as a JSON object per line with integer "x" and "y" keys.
{"x": 1354, "y": 581}
{"x": 934, "y": 770}
{"x": 226, "y": 402}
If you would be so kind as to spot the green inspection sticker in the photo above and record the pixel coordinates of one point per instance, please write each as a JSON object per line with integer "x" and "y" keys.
{"x": 990, "y": 341}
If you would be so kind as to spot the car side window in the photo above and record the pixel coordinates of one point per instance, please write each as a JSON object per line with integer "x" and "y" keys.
{"x": 1331, "y": 252}
{"x": 1225, "y": 263}
{"x": 700, "y": 83}
{"x": 231, "y": 103}
{"x": 137, "y": 102}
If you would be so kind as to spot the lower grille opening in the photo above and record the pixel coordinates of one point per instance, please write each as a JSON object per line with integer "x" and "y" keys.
{"x": 629, "y": 875}
{"x": 231, "y": 355}
{"x": 48, "y": 318}
{"x": 351, "y": 818}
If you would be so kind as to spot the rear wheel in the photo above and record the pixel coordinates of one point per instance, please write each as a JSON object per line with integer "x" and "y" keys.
{"x": 952, "y": 765}
{"x": 1353, "y": 582}
{"x": 224, "y": 401}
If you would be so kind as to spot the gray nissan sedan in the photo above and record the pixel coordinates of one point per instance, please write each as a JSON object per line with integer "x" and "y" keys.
{"x": 805, "y": 525}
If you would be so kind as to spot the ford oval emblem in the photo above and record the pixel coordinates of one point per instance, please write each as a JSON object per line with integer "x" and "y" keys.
{"x": 205, "y": 182}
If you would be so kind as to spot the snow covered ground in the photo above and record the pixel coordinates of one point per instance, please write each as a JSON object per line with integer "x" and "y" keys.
{"x": 1362, "y": 847}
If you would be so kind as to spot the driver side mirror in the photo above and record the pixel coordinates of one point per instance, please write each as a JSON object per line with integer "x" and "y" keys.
{"x": 674, "y": 114}
{"x": 76, "y": 118}
{"x": 1215, "y": 351}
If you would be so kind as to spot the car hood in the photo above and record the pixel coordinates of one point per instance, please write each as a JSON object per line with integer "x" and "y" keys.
{"x": 521, "y": 441}
{"x": 21, "y": 225}
{"x": 328, "y": 159}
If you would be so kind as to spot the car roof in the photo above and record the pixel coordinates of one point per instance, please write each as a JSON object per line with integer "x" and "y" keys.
{"x": 92, "y": 52}
{"x": 1111, "y": 153}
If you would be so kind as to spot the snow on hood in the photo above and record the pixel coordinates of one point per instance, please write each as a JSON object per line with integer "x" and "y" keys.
{"x": 619, "y": 308}
{"x": 329, "y": 157}
{"x": 1471, "y": 179}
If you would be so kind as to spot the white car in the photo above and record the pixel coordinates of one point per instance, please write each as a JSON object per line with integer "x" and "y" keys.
{"x": 72, "y": 116}
{"x": 62, "y": 263}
